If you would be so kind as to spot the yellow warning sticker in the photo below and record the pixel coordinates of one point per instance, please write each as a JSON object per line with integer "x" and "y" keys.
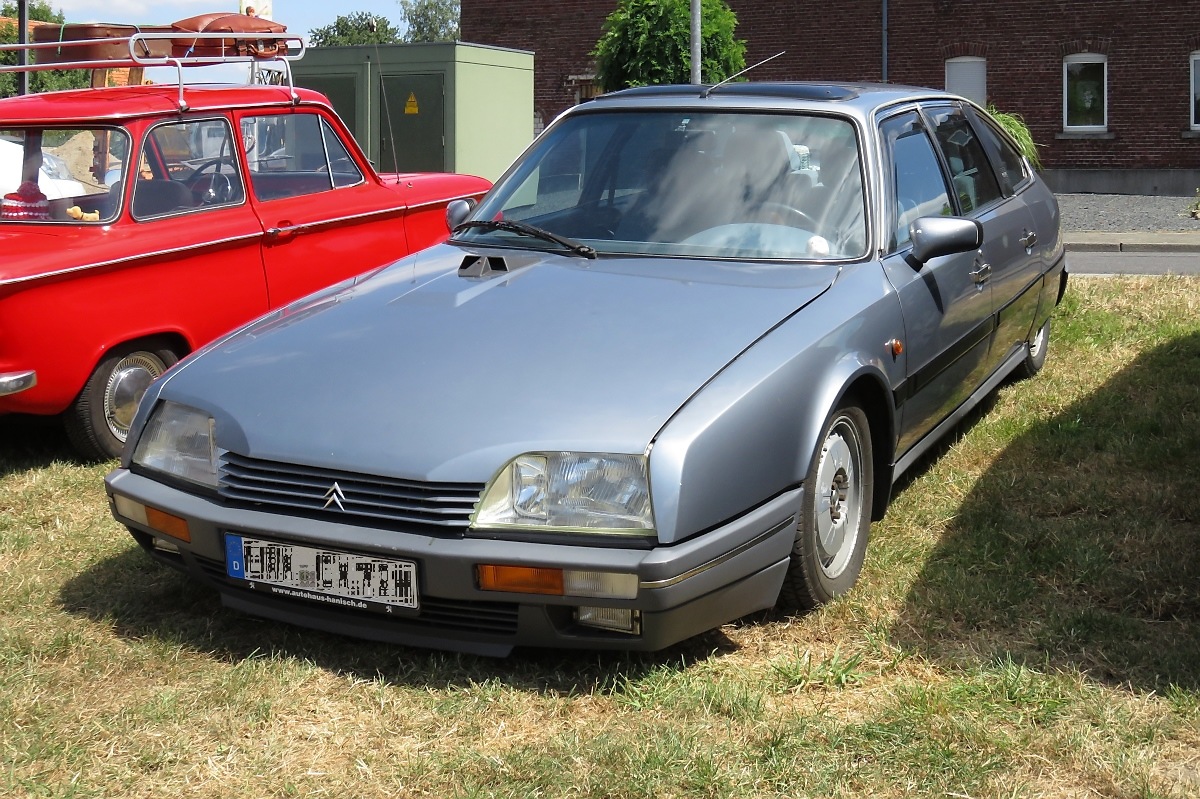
{"x": 411, "y": 107}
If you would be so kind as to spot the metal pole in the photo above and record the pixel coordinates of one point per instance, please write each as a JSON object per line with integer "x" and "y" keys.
{"x": 22, "y": 38}
{"x": 884, "y": 38}
{"x": 696, "y": 42}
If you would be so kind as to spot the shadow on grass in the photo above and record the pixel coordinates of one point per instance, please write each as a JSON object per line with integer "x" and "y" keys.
{"x": 31, "y": 442}
{"x": 1079, "y": 548}
{"x": 140, "y": 598}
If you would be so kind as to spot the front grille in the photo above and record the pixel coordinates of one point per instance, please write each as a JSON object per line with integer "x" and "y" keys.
{"x": 486, "y": 618}
{"x": 432, "y": 508}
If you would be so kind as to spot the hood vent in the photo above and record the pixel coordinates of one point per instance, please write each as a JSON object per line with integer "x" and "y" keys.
{"x": 482, "y": 266}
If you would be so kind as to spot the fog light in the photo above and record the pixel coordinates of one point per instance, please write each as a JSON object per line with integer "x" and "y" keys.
{"x": 162, "y": 545}
{"x": 151, "y": 517}
{"x": 620, "y": 620}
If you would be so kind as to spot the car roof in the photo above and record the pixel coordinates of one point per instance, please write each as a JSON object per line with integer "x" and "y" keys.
{"x": 129, "y": 102}
{"x": 858, "y": 99}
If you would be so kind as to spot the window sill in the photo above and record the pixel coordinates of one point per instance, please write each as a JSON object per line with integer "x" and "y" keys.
{"x": 1191, "y": 134}
{"x": 1084, "y": 135}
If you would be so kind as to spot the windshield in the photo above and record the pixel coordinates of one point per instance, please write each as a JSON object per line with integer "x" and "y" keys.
{"x": 61, "y": 175}
{"x": 724, "y": 185}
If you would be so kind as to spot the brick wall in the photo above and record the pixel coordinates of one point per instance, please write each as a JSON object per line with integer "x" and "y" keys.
{"x": 1024, "y": 41}
{"x": 1148, "y": 46}
{"x": 562, "y": 34}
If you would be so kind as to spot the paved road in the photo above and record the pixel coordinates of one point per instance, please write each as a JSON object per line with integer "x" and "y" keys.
{"x": 1133, "y": 263}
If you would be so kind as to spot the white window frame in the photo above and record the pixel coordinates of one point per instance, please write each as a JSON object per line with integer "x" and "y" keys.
{"x": 968, "y": 59}
{"x": 1194, "y": 92}
{"x": 1085, "y": 58}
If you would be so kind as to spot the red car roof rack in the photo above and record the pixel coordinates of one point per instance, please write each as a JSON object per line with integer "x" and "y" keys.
{"x": 162, "y": 46}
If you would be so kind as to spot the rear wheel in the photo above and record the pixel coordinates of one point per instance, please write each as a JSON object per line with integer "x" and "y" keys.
{"x": 98, "y": 423}
{"x": 1035, "y": 355}
{"x": 835, "y": 514}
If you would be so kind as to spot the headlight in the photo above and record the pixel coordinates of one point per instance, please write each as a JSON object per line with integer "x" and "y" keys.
{"x": 570, "y": 492}
{"x": 179, "y": 441}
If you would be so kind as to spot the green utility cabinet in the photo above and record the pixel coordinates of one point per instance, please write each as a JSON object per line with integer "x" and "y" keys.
{"x": 436, "y": 107}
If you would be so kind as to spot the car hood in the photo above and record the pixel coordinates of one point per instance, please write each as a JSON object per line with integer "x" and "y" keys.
{"x": 421, "y": 373}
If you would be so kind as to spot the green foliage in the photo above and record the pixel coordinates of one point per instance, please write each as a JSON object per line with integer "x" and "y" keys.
{"x": 53, "y": 80}
{"x": 430, "y": 20}
{"x": 800, "y": 672}
{"x": 361, "y": 27}
{"x": 1015, "y": 125}
{"x": 648, "y": 42}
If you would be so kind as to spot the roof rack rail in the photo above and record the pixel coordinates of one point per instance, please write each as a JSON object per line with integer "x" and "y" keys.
{"x": 177, "y": 49}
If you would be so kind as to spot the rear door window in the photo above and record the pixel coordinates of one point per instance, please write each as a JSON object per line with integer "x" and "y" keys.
{"x": 971, "y": 175}
{"x": 1009, "y": 164}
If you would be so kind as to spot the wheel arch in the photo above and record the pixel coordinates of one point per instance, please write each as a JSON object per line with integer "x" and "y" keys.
{"x": 98, "y": 419}
{"x": 720, "y": 458}
{"x": 869, "y": 392}
{"x": 155, "y": 342}
{"x": 172, "y": 340}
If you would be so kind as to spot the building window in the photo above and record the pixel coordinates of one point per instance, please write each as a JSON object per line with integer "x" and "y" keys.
{"x": 584, "y": 86}
{"x": 966, "y": 76}
{"x": 1196, "y": 90}
{"x": 1085, "y": 93}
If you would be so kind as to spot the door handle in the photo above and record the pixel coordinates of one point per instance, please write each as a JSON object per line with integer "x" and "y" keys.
{"x": 981, "y": 274}
{"x": 1028, "y": 240}
{"x": 282, "y": 233}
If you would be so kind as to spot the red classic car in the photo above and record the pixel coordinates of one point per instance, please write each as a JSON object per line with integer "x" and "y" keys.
{"x": 138, "y": 223}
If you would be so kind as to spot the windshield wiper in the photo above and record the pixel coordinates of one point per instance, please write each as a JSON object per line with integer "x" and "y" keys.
{"x": 524, "y": 229}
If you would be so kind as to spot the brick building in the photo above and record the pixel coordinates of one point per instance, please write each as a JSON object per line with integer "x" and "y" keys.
{"x": 1110, "y": 88}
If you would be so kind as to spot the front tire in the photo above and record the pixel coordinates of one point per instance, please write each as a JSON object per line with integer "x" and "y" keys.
{"x": 98, "y": 422}
{"x": 835, "y": 514}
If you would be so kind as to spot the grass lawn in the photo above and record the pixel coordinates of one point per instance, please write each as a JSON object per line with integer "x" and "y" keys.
{"x": 1027, "y": 625}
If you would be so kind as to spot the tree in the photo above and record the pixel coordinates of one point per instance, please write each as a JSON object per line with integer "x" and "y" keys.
{"x": 53, "y": 80}
{"x": 648, "y": 42}
{"x": 430, "y": 20}
{"x": 361, "y": 27}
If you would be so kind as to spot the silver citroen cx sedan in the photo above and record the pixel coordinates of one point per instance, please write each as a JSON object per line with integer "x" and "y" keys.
{"x": 664, "y": 375}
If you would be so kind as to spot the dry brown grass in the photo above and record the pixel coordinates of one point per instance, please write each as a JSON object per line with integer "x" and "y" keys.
{"x": 1025, "y": 627}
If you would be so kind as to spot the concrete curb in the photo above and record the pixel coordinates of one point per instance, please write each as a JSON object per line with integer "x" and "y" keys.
{"x": 1132, "y": 242}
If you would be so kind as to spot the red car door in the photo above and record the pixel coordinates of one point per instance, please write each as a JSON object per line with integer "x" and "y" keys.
{"x": 325, "y": 215}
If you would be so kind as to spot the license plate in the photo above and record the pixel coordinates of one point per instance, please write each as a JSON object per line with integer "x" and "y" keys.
{"x": 342, "y": 579}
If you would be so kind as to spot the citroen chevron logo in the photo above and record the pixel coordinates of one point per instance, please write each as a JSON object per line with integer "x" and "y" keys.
{"x": 334, "y": 496}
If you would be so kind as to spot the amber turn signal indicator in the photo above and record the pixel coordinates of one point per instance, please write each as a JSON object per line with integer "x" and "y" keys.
{"x": 166, "y": 523}
{"x": 520, "y": 579}
{"x": 155, "y": 519}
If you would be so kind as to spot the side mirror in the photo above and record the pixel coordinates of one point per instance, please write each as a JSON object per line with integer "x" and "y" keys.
{"x": 933, "y": 236}
{"x": 457, "y": 212}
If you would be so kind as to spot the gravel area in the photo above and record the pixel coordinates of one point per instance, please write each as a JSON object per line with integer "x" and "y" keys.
{"x": 1124, "y": 213}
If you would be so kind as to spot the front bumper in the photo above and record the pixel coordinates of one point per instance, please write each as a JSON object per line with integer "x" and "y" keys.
{"x": 15, "y": 382}
{"x": 683, "y": 590}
